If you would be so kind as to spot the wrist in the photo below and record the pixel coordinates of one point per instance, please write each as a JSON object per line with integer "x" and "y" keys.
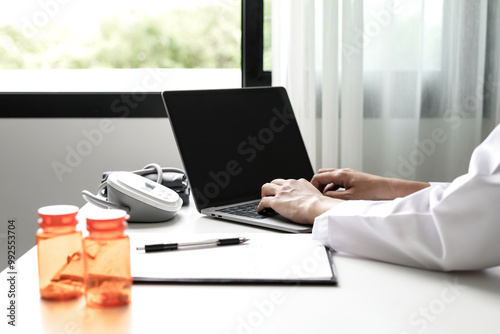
{"x": 321, "y": 204}
{"x": 402, "y": 188}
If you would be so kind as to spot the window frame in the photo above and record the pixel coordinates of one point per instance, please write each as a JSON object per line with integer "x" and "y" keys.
{"x": 252, "y": 45}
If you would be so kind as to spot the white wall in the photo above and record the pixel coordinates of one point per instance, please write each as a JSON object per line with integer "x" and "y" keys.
{"x": 50, "y": 161}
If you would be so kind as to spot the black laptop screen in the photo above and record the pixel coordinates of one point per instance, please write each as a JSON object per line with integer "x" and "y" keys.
{"x": 233, "y": 141}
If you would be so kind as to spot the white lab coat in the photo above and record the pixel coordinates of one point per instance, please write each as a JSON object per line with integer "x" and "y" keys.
{"x": 448, "y": 226}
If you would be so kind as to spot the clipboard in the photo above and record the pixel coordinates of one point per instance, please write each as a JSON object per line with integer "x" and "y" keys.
{"x": 266, "y": 259}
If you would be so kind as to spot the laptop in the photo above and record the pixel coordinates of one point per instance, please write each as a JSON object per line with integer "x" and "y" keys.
{"x": 231, "y": 142}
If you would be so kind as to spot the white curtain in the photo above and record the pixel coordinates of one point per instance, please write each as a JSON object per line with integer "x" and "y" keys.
{"x": 402, "y": 88}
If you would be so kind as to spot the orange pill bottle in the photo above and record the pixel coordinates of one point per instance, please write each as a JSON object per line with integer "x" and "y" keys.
{"x": 107, "y": 259}
{"x": 60, "y": 263}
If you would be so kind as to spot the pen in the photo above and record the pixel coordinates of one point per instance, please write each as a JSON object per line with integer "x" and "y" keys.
{"x": 174, "y": 246}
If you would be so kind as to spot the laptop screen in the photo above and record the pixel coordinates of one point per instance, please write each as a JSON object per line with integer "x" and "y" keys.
{"x": 233, "y": 141}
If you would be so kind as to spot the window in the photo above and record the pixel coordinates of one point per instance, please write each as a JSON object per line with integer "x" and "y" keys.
{"x": 119, "y": 46}
{"x": 95, "y": 46}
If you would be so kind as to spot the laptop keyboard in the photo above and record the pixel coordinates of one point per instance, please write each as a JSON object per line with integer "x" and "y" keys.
{"x": 248, "y": 210}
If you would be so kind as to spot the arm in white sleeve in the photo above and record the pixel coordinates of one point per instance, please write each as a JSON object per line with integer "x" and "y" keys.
{"x": 443, "y": 227}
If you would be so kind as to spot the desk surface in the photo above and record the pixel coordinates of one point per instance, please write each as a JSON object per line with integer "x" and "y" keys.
{"x": 371, "y": 297}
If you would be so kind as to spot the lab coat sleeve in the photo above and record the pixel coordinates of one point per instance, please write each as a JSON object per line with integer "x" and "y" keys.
{"x": 444, "y": 227}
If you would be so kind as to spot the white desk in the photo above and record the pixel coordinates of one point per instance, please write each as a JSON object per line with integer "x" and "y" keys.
{"x": 371, "y": 297}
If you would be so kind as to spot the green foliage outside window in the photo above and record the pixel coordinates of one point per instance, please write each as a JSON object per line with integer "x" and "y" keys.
{"x": 198, "y": 37}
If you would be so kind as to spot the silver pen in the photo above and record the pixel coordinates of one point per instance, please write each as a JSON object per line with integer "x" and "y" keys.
{"x": 175, "y": 246}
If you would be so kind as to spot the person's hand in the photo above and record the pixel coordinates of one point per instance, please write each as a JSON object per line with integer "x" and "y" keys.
{"x": 297, "y": 200}
{"x": 362, "y": 186}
